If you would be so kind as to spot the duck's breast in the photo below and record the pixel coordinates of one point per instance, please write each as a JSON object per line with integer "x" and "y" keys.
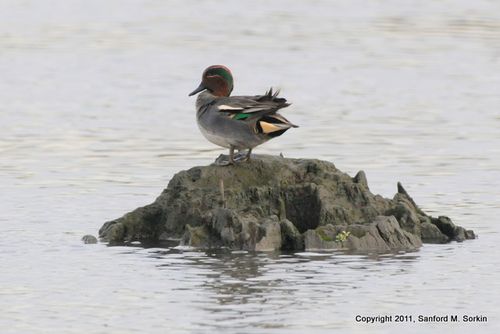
{"x": 220, "y": 129}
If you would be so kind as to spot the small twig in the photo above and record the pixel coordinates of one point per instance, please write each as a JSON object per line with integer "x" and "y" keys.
{"x": 221, "y": 188}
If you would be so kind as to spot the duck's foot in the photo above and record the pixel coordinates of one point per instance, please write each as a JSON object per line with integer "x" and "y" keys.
{"x": 242, "y": 156}
{"x": 223, "y": 160}
{"x": 231, "y": 159}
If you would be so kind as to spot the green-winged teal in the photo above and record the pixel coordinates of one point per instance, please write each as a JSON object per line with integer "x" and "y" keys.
{"x": 237, "y": 122}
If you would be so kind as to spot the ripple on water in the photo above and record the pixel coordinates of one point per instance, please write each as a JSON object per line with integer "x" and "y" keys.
{"x": 95, "y": 120}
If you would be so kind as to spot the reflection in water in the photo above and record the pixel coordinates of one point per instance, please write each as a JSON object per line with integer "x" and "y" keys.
{"x": 260, "y": 290}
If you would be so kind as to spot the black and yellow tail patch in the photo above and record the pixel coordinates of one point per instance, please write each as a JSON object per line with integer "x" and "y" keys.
{"x": 273, "y": 125}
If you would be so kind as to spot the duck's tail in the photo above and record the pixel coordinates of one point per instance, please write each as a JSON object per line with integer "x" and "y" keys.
{"x": 273, "y": 97}
{"x": 274, "y": 125}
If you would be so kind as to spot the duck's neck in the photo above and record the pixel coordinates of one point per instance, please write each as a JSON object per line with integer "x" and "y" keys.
{"x": 204, "y": 98}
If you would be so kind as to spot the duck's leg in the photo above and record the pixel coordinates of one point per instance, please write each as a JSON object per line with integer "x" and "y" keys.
{"x": 220, "y": 161}
{"x": 231, "y": 155}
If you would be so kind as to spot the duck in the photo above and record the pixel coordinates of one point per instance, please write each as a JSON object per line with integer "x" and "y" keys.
{"x": 237, "y": 122}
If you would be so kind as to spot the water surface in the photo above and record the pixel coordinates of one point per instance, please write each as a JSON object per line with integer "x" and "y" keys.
{"x": 95, "y": 119}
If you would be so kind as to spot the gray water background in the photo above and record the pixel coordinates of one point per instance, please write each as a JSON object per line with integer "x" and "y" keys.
{"x": 95, "y": 120}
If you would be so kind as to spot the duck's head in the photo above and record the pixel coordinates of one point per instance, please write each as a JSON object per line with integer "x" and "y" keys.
{"x": 217, "y": 79}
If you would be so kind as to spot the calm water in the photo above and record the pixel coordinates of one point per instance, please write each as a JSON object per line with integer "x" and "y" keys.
{"x": 95, "y": 119}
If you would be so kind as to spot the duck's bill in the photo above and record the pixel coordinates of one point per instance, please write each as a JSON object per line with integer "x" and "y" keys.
{"x": 200, "y": 88}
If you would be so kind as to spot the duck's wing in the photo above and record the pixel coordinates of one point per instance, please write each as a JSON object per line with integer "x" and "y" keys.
{"x": 259, "y": 110}
{"x": 268, "y": 103}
